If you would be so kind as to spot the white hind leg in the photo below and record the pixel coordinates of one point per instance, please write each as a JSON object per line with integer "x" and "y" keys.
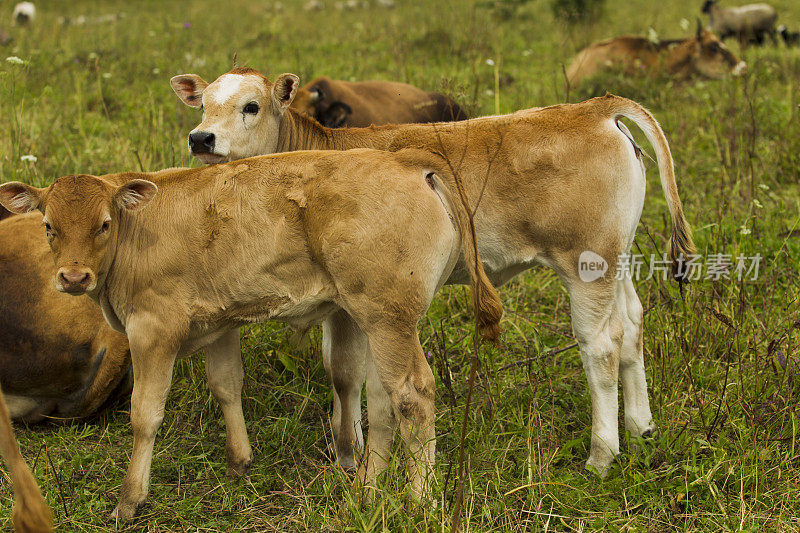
{"x": 598, "y": 329}
{"x": 638, "y": 419}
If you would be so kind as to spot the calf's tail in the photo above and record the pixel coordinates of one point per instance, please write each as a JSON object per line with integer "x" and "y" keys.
{"x": 681, "y": 245}
{"x": 485, "y": 300}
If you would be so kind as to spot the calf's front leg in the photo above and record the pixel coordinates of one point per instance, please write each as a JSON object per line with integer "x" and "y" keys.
{"x": 225, "y": 376}
{"x": 153, "y": 362}
{"x": 344, "y": 352}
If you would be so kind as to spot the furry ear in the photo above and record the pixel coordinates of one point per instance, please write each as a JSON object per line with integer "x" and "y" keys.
{"x": 20, "y": 197}
{"x": 336, "y": 115}
{"x": 135, "y": 194}
{"x": 283, "y": 90}
{"x": 317, "y": 95}
{"x": 189, "y": 88}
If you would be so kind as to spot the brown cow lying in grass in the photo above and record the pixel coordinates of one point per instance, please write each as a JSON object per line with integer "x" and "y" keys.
{"x": 702, "y": 56}
{"x": 295, "y": 237}
{"x": 58, "y": 357}
{"x": 553, "y": 183}
{"x": 31, "y": 513}
{"x": 336, "y": 103}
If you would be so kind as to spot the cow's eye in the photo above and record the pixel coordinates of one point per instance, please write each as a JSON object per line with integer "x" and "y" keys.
{"x": 49, "y": 230}
{"x": 251, "y": 108}
{"x": 104, "y": 227}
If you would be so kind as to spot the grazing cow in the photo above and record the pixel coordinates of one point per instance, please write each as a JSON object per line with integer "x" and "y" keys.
{"x": 790, "y": 38}
{"x": 293, "y": 237}
{"x": 553, "y": 183}
{"x": 58, "y": 357}
{"x": 336, "y": 103}
{"x": 24, "y": 13}
{"x": 31, "y": 514}
{"x": 749, "y": 23}
{"x": 701, "y": 56}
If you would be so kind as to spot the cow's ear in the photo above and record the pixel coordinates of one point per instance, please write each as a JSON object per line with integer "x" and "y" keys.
{"x": 283, "y": 90}
{"x": 317, "y": 94}
{"x": 135, "y": 194}
{"x": 20, "y": 197}
{"x": 189, "y": 88}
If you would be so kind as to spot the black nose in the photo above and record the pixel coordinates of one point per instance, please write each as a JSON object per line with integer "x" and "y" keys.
{"x": 201, "y": 142}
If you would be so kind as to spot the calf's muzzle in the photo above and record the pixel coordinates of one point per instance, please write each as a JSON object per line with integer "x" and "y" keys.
{"x": 201, "y": 142}
{"x": 74, "y": 280}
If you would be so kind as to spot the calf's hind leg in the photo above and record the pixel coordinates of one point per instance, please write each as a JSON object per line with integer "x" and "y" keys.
{"x": 408, "y": 382}
{"x": 638, "y": 419}
{"x": 225, "y": 376}
{"x": 598, "y": 329}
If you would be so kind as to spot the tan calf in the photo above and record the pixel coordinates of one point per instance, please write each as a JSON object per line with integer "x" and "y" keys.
{"x": 552, "y": 183}
{"x": 58, "y": 357}
{"x": 702, "y": 56}
{"x": 180, "y": 262}
{"x": 337, "y": 103}
{"x": 31, "y": 513}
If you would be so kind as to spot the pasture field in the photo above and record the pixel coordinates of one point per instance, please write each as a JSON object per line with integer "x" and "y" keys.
{"x": 723, "y": 362}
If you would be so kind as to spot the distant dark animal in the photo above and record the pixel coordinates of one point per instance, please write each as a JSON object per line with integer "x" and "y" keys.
{"x": 702, "y": 56}
{"x": 750, "y": 24}
{"x": 336, "y": 103}
{"x": 790, "y": 38}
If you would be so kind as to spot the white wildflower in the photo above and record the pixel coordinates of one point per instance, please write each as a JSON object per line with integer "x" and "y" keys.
{"x": 106, "y": 75}
{"x": 763, "y": 186}
{"x": 14, "y": 60}
{"x": 490, "y": 62}
{"x": 684, "y": 24}
{"x": 757, "y": 203}
{"x": 744, "y": 231}
{"x": 30, "y": 158}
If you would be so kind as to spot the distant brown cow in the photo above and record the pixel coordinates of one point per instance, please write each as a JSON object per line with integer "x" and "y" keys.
{"x": 31, "y": 513}
{"x": 58, "y": 357}
{"x": 336, "y": 103}
{"x": 702, "y": 56}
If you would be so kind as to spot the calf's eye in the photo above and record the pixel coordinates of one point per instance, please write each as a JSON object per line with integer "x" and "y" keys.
{"x": 251, "y": 108}
{"x": 104, "y": 227}
{"x": 49, "y": 230}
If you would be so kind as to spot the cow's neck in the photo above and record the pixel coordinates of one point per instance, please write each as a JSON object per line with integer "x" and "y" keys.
{"x": 298, "y": 132}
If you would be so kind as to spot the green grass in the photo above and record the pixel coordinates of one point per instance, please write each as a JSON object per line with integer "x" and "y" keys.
{"x": 722, "y": 363}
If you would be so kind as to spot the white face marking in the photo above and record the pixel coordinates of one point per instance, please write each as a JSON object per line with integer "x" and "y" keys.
{"x": 226, "y": 86}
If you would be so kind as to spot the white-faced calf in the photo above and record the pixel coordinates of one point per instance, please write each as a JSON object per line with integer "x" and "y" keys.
{"x": 179, "y": 260}
{"x": 552, "y": 183}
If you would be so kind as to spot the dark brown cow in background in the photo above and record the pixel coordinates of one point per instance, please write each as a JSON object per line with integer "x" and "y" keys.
{"x": 703, "y": 56}
{"x": 336, "y": 103}
{"x": 58, "y": 357}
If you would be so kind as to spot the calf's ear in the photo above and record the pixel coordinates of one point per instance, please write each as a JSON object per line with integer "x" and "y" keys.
{"x": 283, "y": 90}
{"x": 135, "y": 194}
{"x": 20, "y": 197}
{"x": 189, "y": 88}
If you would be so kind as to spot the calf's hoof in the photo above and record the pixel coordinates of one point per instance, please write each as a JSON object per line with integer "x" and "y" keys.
{"x": 600, "y": 463}
{"x": 238, "y": 469}
{"x": 347, "y": 461}
{"x": 124, "y": 512}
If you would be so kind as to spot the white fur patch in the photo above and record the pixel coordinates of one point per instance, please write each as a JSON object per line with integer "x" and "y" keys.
{"x": 226, "y": 86}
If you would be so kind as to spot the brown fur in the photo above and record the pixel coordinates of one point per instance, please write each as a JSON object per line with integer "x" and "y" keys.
{"x": 295, "y": 237}
{"x": 545, "y": 185}
{"x": 58, "y": 357}
{"x": 336, "y": 103}
{"x": 31, "y": 513}
{"x": 701, "y": 56}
